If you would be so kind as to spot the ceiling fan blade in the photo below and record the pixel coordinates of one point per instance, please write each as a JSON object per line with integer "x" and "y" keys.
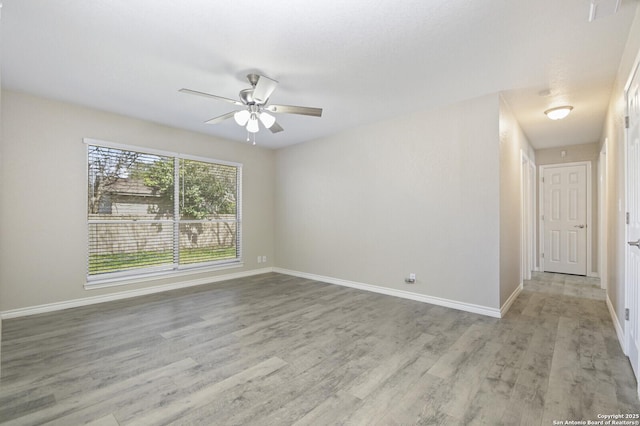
{"x": 275, "y": 128}
{"x": 291, "y": 109}
{"x": 221, "y": 118}
{"x": 209, "y": 95}
{"x": 264, "y": 88}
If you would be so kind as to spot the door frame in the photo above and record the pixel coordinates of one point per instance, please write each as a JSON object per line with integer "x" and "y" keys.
{"x": 603, "y": 221}
{"x": 590, "y": 272}
{"x": 527, "y": 216}
{"x": 625, "y": 247}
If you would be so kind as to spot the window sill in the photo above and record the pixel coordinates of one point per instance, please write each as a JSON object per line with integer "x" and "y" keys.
{"x": 154, "y": 276}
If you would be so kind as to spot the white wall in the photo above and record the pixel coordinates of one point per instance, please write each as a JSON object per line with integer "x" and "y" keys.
{"x": 512, "y": 142}
{"x": 415, "y": 194}
{"x": 615, "y": 133}
{"x": 43, "y": 249}
{"x": 1, "y": 200}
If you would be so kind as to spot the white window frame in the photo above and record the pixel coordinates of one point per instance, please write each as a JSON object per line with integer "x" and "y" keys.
{"x": 150, "y": 273}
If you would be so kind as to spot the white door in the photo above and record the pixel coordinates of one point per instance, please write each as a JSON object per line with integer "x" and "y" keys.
{"x": 565, "y": 219}
{"x": 633, "y": 228}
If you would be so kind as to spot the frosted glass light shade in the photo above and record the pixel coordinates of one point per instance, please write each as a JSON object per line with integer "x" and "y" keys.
{"x": 252, "y": 125}
{"x": 242, "y": 117}
{"x": 267, "y": 119}
{"x": 558, "y": 113}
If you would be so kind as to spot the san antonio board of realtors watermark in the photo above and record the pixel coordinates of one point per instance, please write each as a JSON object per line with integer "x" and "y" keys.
{"x": 605, "y": 420}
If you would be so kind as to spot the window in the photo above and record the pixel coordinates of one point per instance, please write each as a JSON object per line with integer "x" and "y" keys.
{"x": 151, "y": 212}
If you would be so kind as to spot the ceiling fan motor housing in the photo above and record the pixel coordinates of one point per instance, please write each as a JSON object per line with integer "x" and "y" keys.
{"x": 246, "y": 96}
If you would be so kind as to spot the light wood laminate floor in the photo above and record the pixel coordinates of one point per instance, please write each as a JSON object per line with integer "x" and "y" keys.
{"x": 279, "y": 350}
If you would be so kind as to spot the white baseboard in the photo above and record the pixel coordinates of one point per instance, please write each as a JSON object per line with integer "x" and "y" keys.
{"x": 448, "y": 303}
{"x": 616, "y": 325}
{"x": 505, "y": 307}
{"x": 461, "y": 306}
{"x": 593, "y": 275}
{"x": 57, "y": 306}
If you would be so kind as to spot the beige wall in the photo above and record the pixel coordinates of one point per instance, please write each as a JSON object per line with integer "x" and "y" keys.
{"x": 575, "y": 153}
{"x": 614, "y": 133}
{"x": 512, "y": 143}
{"x": 415, "y": 194}
{"x": 43, "y": 249}
{"x": 435, "y": 193}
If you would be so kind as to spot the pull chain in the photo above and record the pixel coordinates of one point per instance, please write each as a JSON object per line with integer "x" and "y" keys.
{"x": 249, "y": 136}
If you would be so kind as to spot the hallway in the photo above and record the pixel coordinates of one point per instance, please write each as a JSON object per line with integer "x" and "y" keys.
{"x": 587, "y": 372}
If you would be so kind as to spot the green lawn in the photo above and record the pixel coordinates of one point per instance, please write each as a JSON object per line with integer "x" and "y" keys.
{"x": 105, "y": 263}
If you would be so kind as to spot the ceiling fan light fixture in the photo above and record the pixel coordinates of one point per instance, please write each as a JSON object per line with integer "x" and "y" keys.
{"x": 267, "y": 119}
{"x": 253, "y": 101}
{"x": 252, "y": 124}
{"x": 558, "y": 113}
{"x": 242, "y": 117}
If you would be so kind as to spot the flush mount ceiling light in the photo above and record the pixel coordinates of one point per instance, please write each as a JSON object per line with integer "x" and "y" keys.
{"x": 558, "y": 113}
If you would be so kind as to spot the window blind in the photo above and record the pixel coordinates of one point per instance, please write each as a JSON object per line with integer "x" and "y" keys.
{"x": 149, "y": 212}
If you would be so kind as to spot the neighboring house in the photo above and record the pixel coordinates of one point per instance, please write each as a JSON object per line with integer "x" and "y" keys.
{"x": 131, "y": 197}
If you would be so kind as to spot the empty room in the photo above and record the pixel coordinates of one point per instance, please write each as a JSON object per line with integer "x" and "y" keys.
{"x": 319, "y": 213}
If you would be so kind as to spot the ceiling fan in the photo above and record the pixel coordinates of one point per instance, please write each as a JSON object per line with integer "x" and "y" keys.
{"x": 254, "y": 100}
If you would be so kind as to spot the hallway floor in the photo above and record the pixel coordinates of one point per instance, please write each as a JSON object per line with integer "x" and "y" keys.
{"x": 588, "y": 374}
{"x": 568, "y": 285}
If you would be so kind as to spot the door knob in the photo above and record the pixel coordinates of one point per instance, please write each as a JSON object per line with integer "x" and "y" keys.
{"x": 635, "y": 243}
{"x": 579, "y": 226}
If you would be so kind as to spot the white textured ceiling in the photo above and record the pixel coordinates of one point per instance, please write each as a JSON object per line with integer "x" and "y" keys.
{"x": 360, "y": 60}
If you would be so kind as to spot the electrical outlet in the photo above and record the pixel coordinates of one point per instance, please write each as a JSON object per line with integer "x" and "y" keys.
{"x": 412, "y": 276}
{"x": 264, "y": 259}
